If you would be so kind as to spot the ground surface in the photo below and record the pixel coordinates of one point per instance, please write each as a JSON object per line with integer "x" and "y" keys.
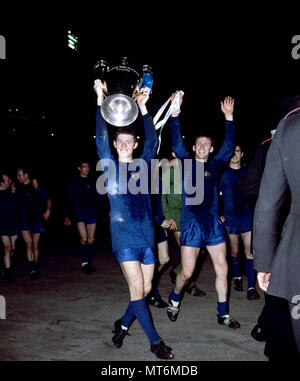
{"x": 67, "y": 315}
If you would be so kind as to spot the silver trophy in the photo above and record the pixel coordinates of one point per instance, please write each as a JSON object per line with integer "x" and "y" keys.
{"x": 119, "y": 108}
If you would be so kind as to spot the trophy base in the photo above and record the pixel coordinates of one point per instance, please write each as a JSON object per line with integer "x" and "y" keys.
{"x": 119, "y": 110}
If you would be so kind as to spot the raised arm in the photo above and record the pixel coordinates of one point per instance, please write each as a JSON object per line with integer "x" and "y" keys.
{"x": 151, "y": 140}
{"x": 177, "y": 142}
{"x": 225, "y": 152}
{"x": 102, "y": 140}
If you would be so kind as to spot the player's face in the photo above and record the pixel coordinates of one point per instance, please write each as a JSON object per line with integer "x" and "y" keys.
{"x": 125, "y": 144}
{"x": 6, "y": 180}
{"x": 202, "y": 148}
{"x": 84, "y": 169}
{"x": 237, "y": 156}
{"x": 21, "y": 176}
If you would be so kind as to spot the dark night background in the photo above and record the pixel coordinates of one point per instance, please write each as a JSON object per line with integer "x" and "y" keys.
{"x": 207, "y": 55}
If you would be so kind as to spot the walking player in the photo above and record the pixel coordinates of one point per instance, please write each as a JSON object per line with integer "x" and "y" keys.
{"x": 9, "y": 222}
{"x": 238, "y": 221}
{"x": 200, "y": 224}
{"x": 131, "y": 220}
{"x": 81, "y": 204}
{"x": 35, "y": 209}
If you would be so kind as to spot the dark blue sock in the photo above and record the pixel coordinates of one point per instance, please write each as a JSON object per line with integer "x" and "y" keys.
{"x": 223, "y": 308}
{"x": 32, "y": 266}
{"x": 89, "y": 251}
{"x": 83, "y": 253}
{"x": 250, "y": 273}
{"x": 142, "y": 314}
{"x": 235, "y": 261}
{"x": 128, "y": 316}
{"x": 175, "y": 297}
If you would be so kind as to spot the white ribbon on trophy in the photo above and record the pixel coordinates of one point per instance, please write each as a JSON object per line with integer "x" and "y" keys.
{"x": 174, "y": 107}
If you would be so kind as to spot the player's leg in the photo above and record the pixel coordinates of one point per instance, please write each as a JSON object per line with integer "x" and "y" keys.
{"x": 91, "y": 230}
{"x": 139, "y": 279}
{"x": 13, "y": 239}
{"x": 177, "y": 236}
{"x": 83, "y": 236}
{"x": 235, "y": 261}
{"x": 250, "y": 271}
{"x": 163, "y": 258}
{"x": 28, "y": 240}
{"x": 6, "y": 240}
{"x": 218, "y": 256}
{"x": 7, "y": 250}
{"x": 36, "y": 246}
{"x": 36, "y": 250}
{"x": 188, "y": 260}
{"x": 158, "y": 347}
{"x": 163, "y": 254}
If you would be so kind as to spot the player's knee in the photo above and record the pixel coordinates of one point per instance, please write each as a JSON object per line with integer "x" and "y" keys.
{"x": 83, "y": 240}
{"x": 8, "y": 248}
{"x": 221, "y": 269}
{"x": 90, "y": 240}
{"x": 163, "y": 261}
{"x": 187, "y": 273}
{"x": 136, "y": 290}
{"x": 29, "y": 245}
{"x": 234, "y": 253}
{"x": 36, "y": 245}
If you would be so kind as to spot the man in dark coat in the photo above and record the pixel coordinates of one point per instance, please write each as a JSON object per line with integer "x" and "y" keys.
{"x": 277, "y": 260}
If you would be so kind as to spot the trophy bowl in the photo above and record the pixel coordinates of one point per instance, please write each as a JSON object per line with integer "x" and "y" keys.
{"x": 118, "y": 108}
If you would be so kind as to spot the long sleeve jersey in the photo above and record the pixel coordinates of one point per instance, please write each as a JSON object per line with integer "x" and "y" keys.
{"x": 211, "y": 173}
{"x": 234, "y": 203}
{"x": 131, "y": 219}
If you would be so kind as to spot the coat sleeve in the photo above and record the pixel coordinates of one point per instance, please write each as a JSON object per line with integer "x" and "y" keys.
{"x": 249, "y": 183}
{"x": 266, "y": 224}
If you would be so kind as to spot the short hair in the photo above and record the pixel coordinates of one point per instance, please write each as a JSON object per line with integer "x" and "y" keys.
{"x": 126, "y": 130}
{"x": 238, "y": 144}
{"x": 83, "y": 160}
{"x": 203, "y": 135}
{"x": 28, "y": 171}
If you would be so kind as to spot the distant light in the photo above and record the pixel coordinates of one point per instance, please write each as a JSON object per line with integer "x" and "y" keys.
{"x": 71, "y": 37}
{"x": 183, "y": 137}
{"x": 52, "y": 134}
{"x": 94, "y": 137}
{"x": 137, "y": 137}
{"x": 17, "y": 109}
{"x": 9, "y": 110}
{"x": 72, "y": 41}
